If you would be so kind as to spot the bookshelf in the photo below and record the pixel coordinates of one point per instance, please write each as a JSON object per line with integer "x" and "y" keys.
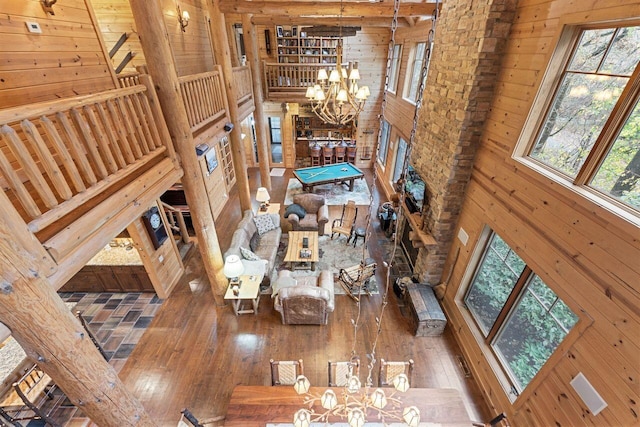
{"x": 294, "y": 46}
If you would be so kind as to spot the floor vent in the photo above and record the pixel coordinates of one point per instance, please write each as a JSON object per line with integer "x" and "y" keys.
{"x": 463, "y": 365}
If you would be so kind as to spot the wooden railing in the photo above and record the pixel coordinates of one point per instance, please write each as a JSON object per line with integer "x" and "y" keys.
{"x": 291, "y": 78}
{"x": 204, "y": 98}
{"x": 176, "y": 221}
{"x": 129, "y": 79}
{"x": 242, "y": 80}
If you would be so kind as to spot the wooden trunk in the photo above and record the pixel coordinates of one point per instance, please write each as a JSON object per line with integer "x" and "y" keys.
{"x": 426, "y": 315}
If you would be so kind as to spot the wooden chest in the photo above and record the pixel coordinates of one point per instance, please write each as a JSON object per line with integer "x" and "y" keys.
{"x": 426, "y": 315}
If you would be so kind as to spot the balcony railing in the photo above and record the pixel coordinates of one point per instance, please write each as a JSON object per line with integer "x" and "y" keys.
{"x": 242, "y": 80}
{"x": 291, "y": 79}
{"x": 204, "y": 98}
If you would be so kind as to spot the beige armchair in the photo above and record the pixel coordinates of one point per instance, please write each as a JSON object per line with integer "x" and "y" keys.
{"x": 317, "y": 213}
{"x": 303, "y": 300}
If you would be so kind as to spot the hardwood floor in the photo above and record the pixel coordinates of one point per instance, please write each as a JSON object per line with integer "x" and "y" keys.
{"x": 194, "y": 352}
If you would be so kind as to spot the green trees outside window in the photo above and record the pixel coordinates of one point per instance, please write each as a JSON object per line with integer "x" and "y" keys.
{"x": 521, "y": 318}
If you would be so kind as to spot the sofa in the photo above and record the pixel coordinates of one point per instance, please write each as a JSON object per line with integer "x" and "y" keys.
{"x": 303, "y": 300}
{"x": 316, "y": 213}
{"x": 263, "y": 246}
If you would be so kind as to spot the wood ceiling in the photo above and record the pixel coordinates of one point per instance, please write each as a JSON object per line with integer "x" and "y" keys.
{"x": 327, "y": 12}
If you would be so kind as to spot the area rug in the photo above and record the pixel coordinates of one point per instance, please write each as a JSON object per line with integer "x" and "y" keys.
{"x": 277, "y": 172}
{"x": 334, "y": 255}
{"x": 334, "y": 194}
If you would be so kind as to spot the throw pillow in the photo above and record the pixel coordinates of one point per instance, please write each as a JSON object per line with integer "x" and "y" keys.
{"x": 264, "y": 223}
{"x": 254, "y": 242}
{"x": 295, "y": 209}
{"x": 247, "y": 254}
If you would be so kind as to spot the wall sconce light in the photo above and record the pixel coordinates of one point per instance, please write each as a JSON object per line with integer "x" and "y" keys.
{"x": 183, "y": 19}
{"x": 47, "y": 5}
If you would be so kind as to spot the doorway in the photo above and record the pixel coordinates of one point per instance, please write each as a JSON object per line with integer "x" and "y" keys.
{"x": 275, "y": 138}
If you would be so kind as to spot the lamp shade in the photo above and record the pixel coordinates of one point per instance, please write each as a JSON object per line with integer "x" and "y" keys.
{"x": 322, "y": 74}
{"x": 356, "y": 418}
{"x": 262, "y": 195}
{"x": 353, "y": 384}
{"x": 378, "y": 399}
{"x": 233, "y": 267}
{"x": 411, "y": 416}
{"x": 302, "y": 384}
{"x": 329, "y": 400}
{"x": 302, "y": 418}
{"x": 401, "y": 383}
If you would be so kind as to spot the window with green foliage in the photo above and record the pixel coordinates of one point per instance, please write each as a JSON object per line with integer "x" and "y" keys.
{"x": 412, "y": 83}
{"x": 395, "y": 67}
{"x": 399, "y": 163}
{"x": 590, "y": 135}
{"x": 521, "y": 318}
{"x": 384, "y": 142}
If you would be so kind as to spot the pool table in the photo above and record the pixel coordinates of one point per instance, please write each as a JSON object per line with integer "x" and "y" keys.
{"x": 337, "y": 173}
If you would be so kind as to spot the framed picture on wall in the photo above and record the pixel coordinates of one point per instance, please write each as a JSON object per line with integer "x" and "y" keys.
{"x": 279, "y": 32}
{"x": 212, "y": 160}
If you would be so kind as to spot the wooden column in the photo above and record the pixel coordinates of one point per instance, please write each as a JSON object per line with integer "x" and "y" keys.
{"x": 52, "y": 336}
{"x": 233, "y": 51}
{"x": 253, "y": 59}
{"x": 222, "y": 55}
{"x": 155, "y": 43}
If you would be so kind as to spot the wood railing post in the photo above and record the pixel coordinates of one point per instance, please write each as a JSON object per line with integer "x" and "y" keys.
{"x": 48, "y": 332}
{"x": 155, "y": 43}
{"x": 253, "y": 59}
{"x": 221, "y": 52}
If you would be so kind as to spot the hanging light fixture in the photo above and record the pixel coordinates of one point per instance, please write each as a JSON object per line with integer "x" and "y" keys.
{"x": 337, "y": 97}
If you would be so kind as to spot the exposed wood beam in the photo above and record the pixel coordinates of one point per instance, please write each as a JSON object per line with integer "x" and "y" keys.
{"x": 349, "y": 22}
{"x": 325, "y": 9}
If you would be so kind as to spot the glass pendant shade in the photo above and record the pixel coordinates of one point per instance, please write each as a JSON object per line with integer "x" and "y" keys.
{"x": 353, "y": 384}
{"x": 301, "y": 385}
{"x": 356, "y": 418}
{"x": 401, "y": 383}
{"x": 411, "y": 416}
{"x": 329, "y": 400}
{"x": 302, "y": 418}
{"x": 378, "y": 399}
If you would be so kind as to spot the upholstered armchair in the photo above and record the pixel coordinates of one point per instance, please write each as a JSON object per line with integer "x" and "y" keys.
{"x": 303, "y": 300}
{"x": 316, "y": 213}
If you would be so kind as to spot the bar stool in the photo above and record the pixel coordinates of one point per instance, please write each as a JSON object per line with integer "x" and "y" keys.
{"x": 315, "y": 152}
{"x": 327, "y": 155}
{"x": 340, "y": 154}
{"x": 351, "y": 154}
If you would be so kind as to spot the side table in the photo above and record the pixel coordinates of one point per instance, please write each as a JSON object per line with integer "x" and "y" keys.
{"x": 273, "y": 208}
{"x": 249, "y": 291}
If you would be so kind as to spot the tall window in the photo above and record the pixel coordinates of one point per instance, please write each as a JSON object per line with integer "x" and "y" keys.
{"x": 384, "y": 142}
{"x": 395, "y": 68}
{"x": 400, "y": 153}
{"x": 412, "y": 84}
{"x": 590, "y": 135}
{"x": 521, "y": 318}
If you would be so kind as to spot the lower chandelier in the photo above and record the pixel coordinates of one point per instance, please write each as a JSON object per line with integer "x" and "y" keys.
{"x": 354, "y": 403}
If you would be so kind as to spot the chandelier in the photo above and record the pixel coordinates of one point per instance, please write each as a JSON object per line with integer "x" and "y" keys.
{"x": 336, "y": 98}
{"x": 354, "y": 403}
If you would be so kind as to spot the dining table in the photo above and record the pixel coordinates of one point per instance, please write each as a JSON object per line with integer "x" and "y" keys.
{"x": 262, "y": 406}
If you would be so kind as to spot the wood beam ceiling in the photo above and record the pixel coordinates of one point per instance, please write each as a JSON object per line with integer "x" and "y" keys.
{"x": 325, "y": 9}
{"x": 348, "y": 22}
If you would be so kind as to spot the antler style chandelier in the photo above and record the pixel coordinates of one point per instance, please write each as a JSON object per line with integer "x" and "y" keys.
{"x": 354, "y": 403}
{"x": 336, "y": 97}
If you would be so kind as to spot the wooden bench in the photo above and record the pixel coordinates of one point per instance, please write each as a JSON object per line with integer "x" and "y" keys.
{"x": 355, "y": 280}
{"x": 426, "y": 314}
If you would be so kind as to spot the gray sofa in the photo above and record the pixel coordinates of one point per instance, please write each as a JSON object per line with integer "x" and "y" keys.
{"x": 265, "y": 246}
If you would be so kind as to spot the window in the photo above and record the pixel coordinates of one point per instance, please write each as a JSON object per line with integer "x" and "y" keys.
{"x": 275, "y": 132}
{"x": 521, "y": 318}
{"x": 400, "y": 153}
{"x": 412, "y": 84}
{"x": 590, "y": 135}
{"x": 384, "y": 143}
{"x": 395, "y": 68}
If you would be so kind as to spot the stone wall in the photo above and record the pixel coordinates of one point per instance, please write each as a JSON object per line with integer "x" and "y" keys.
{"x": 469, "y": 40}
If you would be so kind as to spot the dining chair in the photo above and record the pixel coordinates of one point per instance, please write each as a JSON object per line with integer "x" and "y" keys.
{"x": 315, "y": 153}
{"x": 340, "y": 154}
{"x": 339, "y": 372}
{"x": 285, "y": 372}
{"x": 327, "y": 155}
{"x": 390, "y": 370}
{"x": 345, "y": 224}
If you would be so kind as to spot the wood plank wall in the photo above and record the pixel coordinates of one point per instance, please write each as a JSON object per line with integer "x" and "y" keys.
{"x": 114, "y": 18}
{"x": 65, "y": 60}
{"x": 398, "y": 111}
{"x": 585, "y": 253}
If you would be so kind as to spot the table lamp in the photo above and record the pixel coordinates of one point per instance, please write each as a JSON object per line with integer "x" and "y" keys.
{"x": 262, "y": 196}
{"x": 233, "y": 268}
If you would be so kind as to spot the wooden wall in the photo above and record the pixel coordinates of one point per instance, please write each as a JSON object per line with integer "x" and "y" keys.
{"x": 585, "y": 253}
{"x": 66, "y": 59}
{"x": 398, "y": 111}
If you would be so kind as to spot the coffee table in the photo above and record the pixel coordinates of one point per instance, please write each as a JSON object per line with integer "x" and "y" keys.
{"x": 249, "y": 291}
{"x": 295, "y": 246}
